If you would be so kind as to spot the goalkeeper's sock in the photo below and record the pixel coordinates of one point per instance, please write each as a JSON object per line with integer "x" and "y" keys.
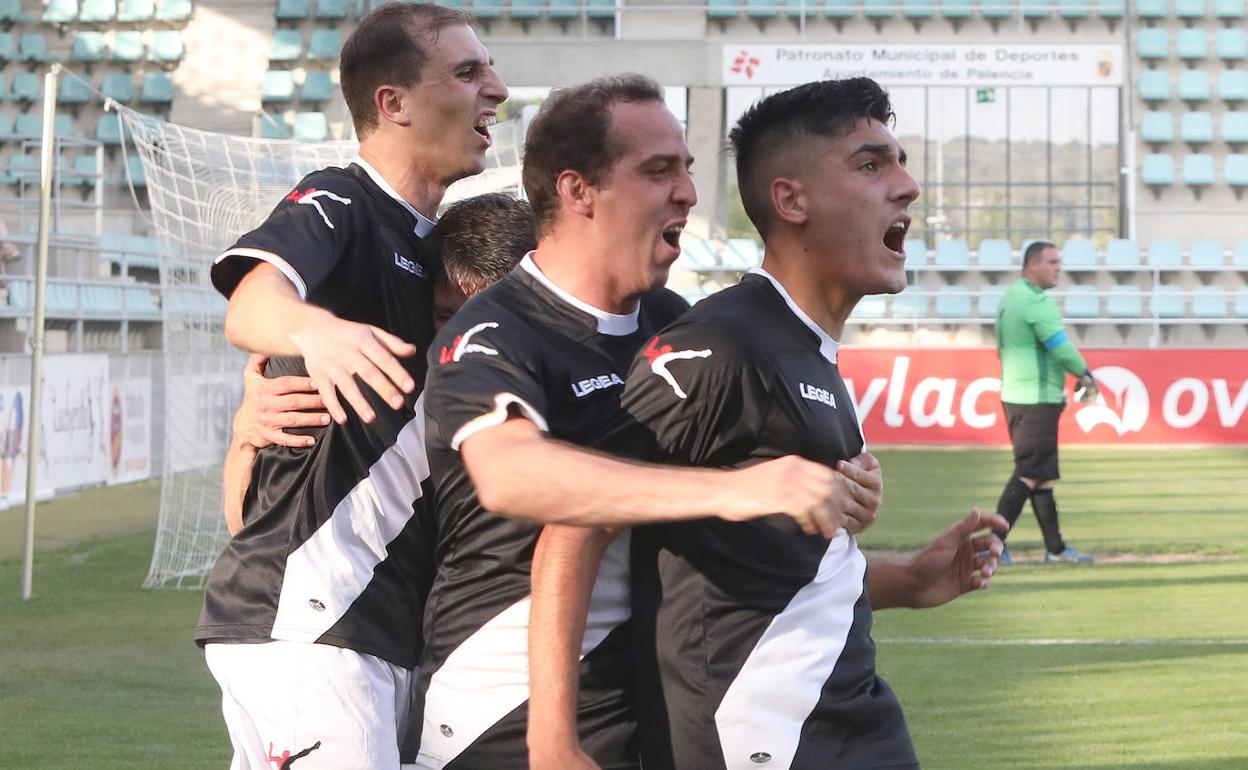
{"x": 1045, "y": 506}
{"x": 1013, "y": 497}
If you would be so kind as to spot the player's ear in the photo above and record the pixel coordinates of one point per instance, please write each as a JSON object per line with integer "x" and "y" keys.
{"x": 391, "y": 106}
{"x": 576, "y": 192}
{"x": 788, "y": 200}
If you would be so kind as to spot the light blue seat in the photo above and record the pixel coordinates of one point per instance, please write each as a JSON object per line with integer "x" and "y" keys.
{"x": 86, "y": 171}
{"x": 118, "y": 86}
{"x": 1196, "y": 127}
{"x": 1078, "y": 254}
{"x": 722, "y": 9}
{"x": 279, "y": 86}
{"x": 331, "y": 9}
{"x": 596, "y": 9}
{"x": 97, "y": 11}
{"x": 1194, "y": 85}
{"x": 88, "y": 47}
{"x": 11, "y": 10}
{"x": 908, "y": 304}
{"x": 136, "y": 10}
{"x": 6, "y": 124}
{"x": 987, "y": 301}
{"x": 291, "y": 10}
{"x": 1235, "y": 170}
{"x": 916, "y": 253}
{"x": 1235, "y": 127}
{"x": 273, "y": 128}
{"x": 1157, "y": 127}
{"x": 995, "y": 254}
{"x": 741, "y": 254}
{"x": 60, "y": 12}
{"x": 1035, "y": 9}
{"x": 1233, "y": 86}
{"x": 8, "y": 49}
{"x": 1124, "y": 302}
{"x": 134, "y": 168}
{"x": 1168, "y": 302}
{"x": 875, "y": 306}
{"x": 311, "y": 127}
{"x": 1198, "y": 170}
{"x": 1151, "y": 9}
{"x": 1210, "y": 302}
{"x": 1110, "y": 9}
{"x": 487, "y": 9}
{"x": 878, "y": 9}
{"x": 287, "y": 45}
{"x": 33, "y": 47}
{"x": 1152, "y": 44}
{"x": 1157, "y": 170}
{"x": 74, "y": 90}
{"x": 167, "y": 47}
{"x": 1081, "y": 302}
{"x": 1231, "y": 45}
{"x": 564, "y": 9}
{"x": 26, "y": 87}
{"x": 1241, "y": 302}
{"x": 956, "y": 9}
{"x": 23, "y": 169}
{"x": 127, "y": 46}
{"x": 953, "y": 303}
{"x": 1189, "y": 9}
{"x": 157, "y": 88}
{"x": 1154, "y": 86}
{"x": 525, "y": 9}
{"x": 28, "y": 125}
{"x": 1073, "y": 9}
{"x": 1192, "y": 44}
{"x": 107, "y": 130}
{"x": 1206, "y": 254}
{"x": 1239, "y": 255}
{"x": 325, "y": 45}
{"x": 1165, "y": 254}
{"x": 917, "y": 9}
{"x": 952, "y": 254}
{"x": 1228, "y": 9}
{"x": 1122, "y": 253}
{"x": 174, "y": 10}
{"x": 698, "y": 255}
{"x": 996, "y": 9}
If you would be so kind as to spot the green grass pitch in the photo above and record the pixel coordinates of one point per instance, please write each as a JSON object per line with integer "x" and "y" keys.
{"x": 1139, "y": 662}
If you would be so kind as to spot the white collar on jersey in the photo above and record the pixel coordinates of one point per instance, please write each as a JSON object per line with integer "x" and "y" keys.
{"x": 827, "y": 345}
{"x": 612, "y": 324}
{"x": 423, "y": 223}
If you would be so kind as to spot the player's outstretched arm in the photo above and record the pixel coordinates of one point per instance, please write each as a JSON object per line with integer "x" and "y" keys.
{"x": 266, "y": 315}
{"x": 565, "y": 565}
{"x": 955, "y": 562}
{"x": 519, "y": 472}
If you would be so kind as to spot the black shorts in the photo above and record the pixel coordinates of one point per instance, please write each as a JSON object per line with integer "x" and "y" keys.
{"x": 1033, "y": 431}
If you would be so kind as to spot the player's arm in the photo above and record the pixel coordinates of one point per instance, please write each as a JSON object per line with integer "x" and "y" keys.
{"x": 1046, "y": 323}
{"x": 237, "y": 478}
{"x": 955, "y": 562}
{"x": 565, "y": 565}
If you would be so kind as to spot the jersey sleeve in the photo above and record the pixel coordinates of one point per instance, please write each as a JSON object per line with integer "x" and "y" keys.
{"x": 480, "y": 372}
{"x": 305, "y": 236}
{"x": 1046, "y": 323}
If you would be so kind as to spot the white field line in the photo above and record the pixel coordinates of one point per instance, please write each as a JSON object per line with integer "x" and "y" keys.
{"x": 954, "y": 640}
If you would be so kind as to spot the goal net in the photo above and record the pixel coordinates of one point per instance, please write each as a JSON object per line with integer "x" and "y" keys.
{"x": 205, "y": 189}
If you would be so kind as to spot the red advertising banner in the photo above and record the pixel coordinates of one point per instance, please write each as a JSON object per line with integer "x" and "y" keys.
{"x": 953, "y": 396}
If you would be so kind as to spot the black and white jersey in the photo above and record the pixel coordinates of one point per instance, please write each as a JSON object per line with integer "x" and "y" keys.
{"x": 337, "y": 546}
{"x": 753, "y": 638}
{"x": 522, "y": 346}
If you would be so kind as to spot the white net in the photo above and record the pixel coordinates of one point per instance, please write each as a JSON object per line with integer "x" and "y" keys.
{"x": 205, "y": 189}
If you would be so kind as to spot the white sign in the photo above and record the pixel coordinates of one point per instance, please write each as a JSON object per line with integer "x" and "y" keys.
{"x": 200, "y": 407}
{"x": 892, "y": 64}
{"x": 74, "y": 449}
{"x": 130, "y": 431}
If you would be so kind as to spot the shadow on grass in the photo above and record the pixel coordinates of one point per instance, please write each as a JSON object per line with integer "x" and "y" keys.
{"x": 1103, "y": 584}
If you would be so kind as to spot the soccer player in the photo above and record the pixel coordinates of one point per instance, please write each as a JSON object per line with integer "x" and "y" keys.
{"x": 475, "y": 243}
{"x": 1035, "y": 357}
{"x": 311, "y": 619}
{"x": 753, "y": 637}
{"x": 532, "y": 367}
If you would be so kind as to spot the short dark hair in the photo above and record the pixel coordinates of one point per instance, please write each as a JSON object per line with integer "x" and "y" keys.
{"x": 480, "y": 240}
{"x": 1034, "y": 250}
{"x": 826, "y": 108}
{"x": 388, "y": 47}
{"x": 572, "y": 133}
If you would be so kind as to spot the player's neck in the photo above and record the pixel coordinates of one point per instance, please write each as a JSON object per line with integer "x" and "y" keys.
{"x": 583, "y": 273}
{"x": 414, "y": 183}
{"x": 828, "y": 306}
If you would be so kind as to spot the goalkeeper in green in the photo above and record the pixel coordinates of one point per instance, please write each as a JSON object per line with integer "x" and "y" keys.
{"x": 1035, "y": 357}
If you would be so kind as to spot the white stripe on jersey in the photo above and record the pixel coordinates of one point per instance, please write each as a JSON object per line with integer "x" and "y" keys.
{"x": 273, "y": 259}
{"x": 330, "y": 570}
{"x": 487, "y": 676}
{"x": 497, "y": 416}
{"x": 782, "y": 679}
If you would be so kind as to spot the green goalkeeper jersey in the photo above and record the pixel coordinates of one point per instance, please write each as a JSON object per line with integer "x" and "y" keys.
{"x": 1032, "y": 345}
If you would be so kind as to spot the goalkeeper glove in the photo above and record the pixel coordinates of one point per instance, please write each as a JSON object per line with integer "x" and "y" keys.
{"x": 1086, "y": 389}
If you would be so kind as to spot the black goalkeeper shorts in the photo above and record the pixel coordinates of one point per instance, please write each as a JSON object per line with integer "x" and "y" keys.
{"x": 1033, "y": 431}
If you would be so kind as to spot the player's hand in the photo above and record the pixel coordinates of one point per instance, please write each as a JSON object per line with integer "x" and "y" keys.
{"x": 1086, "y": 389}
{"x": 821, "y": 500}
{"x": 337, "y": 351}
{"x": 560, "y": 758}
{"x": 957, "y": 561}
{"x": 270, "y": 406}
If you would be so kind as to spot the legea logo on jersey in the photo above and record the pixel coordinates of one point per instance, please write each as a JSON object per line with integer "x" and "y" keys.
{"x": 462, "y": 347}
{"x": 660, "y": 356}
{"x": 812, "y": 393}
{"x": 311, "y": 196}
{"x": 1129, "y": 396}
{"x": 582, "y": 388}
{"x": 403, "y": 263}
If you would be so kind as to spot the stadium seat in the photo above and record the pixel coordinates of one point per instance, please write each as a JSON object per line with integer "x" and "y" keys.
{"x": 1241, "y": 302}
{"x": 127, "y": 47}
{"x": 1233, "y": 86}
{"x": 953, "y": 303}
{"x": 908, "y": 304}
{"x": 22, "y": 168}
{"x": 698, "y": 255}
{"x": 1239, "y": 255}
{"x": 952, "y": 254}
{"x": 526, "y": 10}
{"x": 871, "y": 307}
{"x": 1081, "y": 302}
{"x": 118, "y": 86}
{"x": 1124, "y": 302}
{"x": 291, "y": 10}
{"x": 1151, "y": 9}
{"x": 918, "y": 9}
{"x": 325, "y": 45}
{"x": 596, "y": 9}
{"x": 88, "y": 47}
{"x": 1228, "y": 10}
{"x": 1198, "y": 170}
{"x": 987, "y": 301}
{"x": 97, "y": 11}
{"x": 86, "y": 170}
{"x": 1157, "y": 127}
{"x": 1168, "y": 302}
{"x": 916, "y": 253}
{"x": 331, "y": 9}
{"x": 878, "y": 9}
{"x": 1235, "y": 171}
{"x": 1152, "y": 44}
{"x": 1196, "y": 127}
{"x": 60, "y": 12}
{"x": 994, "y": 254}
{"x": 1073, "y": 9}
{"x": 1154, "y": 86}
{"x": 1165, "y": 254}
{"x": 564, "y": 9}
{"x": 1189, "y": 10}
{"x": 1235, "y": 127}
{"x": 1078, "y": 254}
{"x": 311, "y": 127}
{"x": 839, "y": 9}
{"x": 722, "y": 9}
{"x": 1110, "y": 9}
{"x": 167, "y": 47}
{"x": 108, "y": 130}
{"x": 157, "y": 88}
{"x": 174, "y": 10}
{"x": 741, "y": 254}
{"x": 1206, "y": 255}
{"x": 26, "y": 87}
{"x": 273, "y": 128}
{"x": 11, "y": 11}
{"x": 1209, "y": 302}
{"x": 5, "y": 96}
{"x": 279, "y": 86}
{"x": 1035, "y": 9}
{"x": 8, "y": 49}
{"x": 1231, "y": 45}
{"x": 956, "y": 9}
{"x": 136, "y": 10}
{"x": 318, "y": 87}
{"x": 1121, "y": 253}
{"x": 487, "y": 9}
{"x": 74, "y": 90}
{"x": 33, "y": 47}
{"x": 287, "y": 45}
{"x": 1194, "y": 86}
{"x": 1192, "y": 45}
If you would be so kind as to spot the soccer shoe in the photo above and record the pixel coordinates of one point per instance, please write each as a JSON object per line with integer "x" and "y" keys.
{"x": 1005, "y": 560}
{"x": 1070, "y": 555}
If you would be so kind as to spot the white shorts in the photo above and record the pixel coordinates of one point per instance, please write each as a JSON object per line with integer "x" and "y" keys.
{"x": 311, "y": 706}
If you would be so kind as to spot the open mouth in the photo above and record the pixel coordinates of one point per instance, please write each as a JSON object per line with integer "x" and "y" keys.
{"x": 895, "y": 236}
{"x": 671, "y": 235}
{"x": 483, "y": 124}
